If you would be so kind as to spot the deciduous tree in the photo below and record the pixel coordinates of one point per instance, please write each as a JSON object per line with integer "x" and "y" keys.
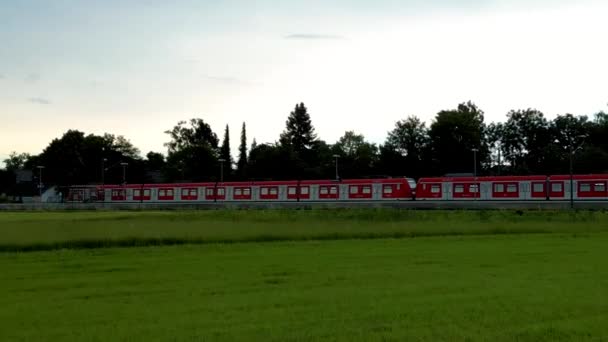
{"x": 454, "y": 135}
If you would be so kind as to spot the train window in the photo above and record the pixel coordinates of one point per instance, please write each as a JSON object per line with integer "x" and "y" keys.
{"x": 304, "y": 190}
{"x": 323, "y": 191}
{"x": 474, "y": 188}
{"x": 162, "y": 192}
{"x": 138, "y": 192}
{"x": 238, "y": 192}
{"x": 557, "y": 187}
{"x": 538, "y": 187}
{"x": 499, "y": 188}
{"x": 264, "y": 191}
{"x": 291, "y": 190}
{"x": 209, "y": 191}
{"x": 274, "y": 191}
{"x": 185, "y": 192}
{"x": 367, "y": 190}
{"x": 435, "y": 188}
{"x": 220, "y": 191}
{"x": 459, "y": 188}
{"x": 600, "y": 187}
{"x": 333, "y": 190}
{"x": 169, "y": 192}
{"x": 388, "y": 189}
{"x": 585, "y": 187}
{"x": 193, "y": 192}
{"x": 246, "y": 192}
{"x": 511, "y": 188}
{"x": 354, "y": 189}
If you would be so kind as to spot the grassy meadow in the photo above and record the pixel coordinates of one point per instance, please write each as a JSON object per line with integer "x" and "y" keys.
{"x": 337, "y": 275}
{"x": 54, "y": 230}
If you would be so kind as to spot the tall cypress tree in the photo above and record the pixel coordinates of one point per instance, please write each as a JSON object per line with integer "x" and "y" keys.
{"x": 225, "y": 152}
{"x": 242, "y": 163}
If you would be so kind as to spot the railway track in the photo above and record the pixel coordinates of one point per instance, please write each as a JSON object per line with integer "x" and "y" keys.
{"x": 421, "y": 205}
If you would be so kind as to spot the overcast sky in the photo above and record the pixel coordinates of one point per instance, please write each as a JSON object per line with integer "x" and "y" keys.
{"x": 137, "y": 67}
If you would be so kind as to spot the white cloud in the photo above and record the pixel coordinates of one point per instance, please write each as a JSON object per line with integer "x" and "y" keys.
{"x": 39, "y": 100}
{"x": 314, "y": 36}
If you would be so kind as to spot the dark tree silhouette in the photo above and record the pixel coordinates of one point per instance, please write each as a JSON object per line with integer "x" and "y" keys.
{"x": 193, "y": 152}
{"x": 454, "y": 135}
{"x": 242, "y": 162}
{"x": 226, "y": 154}
{"x": 410, "y": 139}
{"x": 299, "y": 132}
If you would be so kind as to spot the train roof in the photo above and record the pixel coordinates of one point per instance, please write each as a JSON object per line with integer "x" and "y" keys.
{"x": 512, "y": 178}
{"x": 481, "y": 179}
{"x": 256, "y": 183}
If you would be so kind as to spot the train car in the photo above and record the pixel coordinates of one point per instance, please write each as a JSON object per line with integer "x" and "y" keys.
{"x": 514, "y": 188}
{"x": 503, "y": 188}
{"x": 583, "y": 187}
{"x": 268, "y": 191}
{"x": 83, "y": 193}
{"x": 163, "y": 193}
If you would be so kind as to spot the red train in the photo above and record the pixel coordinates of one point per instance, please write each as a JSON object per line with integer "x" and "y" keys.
{"x": 503, "y": 188}
{"x": 389, "y": 189}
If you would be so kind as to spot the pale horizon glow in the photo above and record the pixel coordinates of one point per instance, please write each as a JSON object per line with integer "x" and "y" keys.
{"x": 136, "y": 68}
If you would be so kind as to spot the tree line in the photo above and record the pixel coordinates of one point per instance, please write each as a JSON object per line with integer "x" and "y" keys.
{"x": 458, "y": 141}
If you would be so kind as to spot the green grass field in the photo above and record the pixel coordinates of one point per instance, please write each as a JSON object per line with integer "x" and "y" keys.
{"x": 21, "y": 231}
{"x": 304, "y": 275}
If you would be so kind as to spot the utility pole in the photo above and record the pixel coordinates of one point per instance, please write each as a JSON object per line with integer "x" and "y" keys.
{"x": 336, "y": 158}
{"x": 40, "y": 167}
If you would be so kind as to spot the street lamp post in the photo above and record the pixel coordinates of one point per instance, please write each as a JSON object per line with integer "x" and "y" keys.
{"x": 475, "y": 150}
{"x": 124, "y": 172}
{"x": 103, "y": 171}
{"x": 221, "y": 160}
{"x": 571, "y": 153}
{"x": 40, "y": 167}
{"x": 103, "y": 179}
{"x": 336, "y": 159}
